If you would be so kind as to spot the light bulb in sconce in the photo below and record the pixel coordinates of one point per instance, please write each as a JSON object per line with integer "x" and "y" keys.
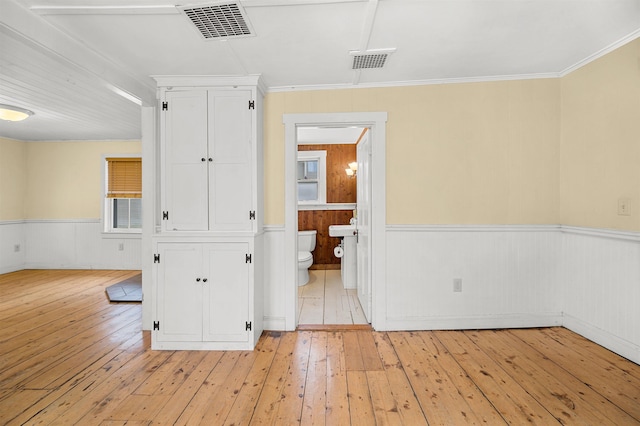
{"x": 352, "y": 171}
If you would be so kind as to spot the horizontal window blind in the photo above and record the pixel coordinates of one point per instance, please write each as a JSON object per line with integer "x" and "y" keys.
{"x": 124, "y": 178}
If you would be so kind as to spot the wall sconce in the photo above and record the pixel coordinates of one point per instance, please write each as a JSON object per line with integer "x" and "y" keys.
{"x": 13, "y": 113}
{"x": 352, "y": 171}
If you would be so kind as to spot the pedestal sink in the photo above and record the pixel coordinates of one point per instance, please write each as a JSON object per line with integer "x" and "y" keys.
{"x": 348, "y": 234}
{"x": 341, "y": 230}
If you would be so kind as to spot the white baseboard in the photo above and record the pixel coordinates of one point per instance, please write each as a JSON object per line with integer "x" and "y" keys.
{"x": 14, "y": 268}
{"x": 274, "y": 323}
{"x": 92, "y": 266}
{"x": 475, "y": 322}
{"x": 620, "y": 346}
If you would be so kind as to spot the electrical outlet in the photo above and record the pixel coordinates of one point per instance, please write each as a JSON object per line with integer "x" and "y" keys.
{"x": 16, "y": 248}
{"x": 624, "y": 207}
{"x": 457, "y": 285}
{"x": 121, "y": 246}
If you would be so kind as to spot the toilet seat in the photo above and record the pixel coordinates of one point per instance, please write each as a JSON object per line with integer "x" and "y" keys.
{"x": 304, "y": 256}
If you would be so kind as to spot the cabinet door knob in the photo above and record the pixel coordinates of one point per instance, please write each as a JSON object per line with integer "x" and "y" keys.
{"x": 203, "y": 159}
{"x": 210, "y": 159}
{"x": 204, "y": 280}
{"x": 198, "y": 279}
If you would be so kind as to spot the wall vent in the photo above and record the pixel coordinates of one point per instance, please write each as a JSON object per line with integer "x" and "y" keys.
{"x": 370, "y": 59}
{"x": 218, "y": 21}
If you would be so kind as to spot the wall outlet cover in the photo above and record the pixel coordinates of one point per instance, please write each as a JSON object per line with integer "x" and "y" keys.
{"x": 457, "y": 285}
{"x": 624, "y": 206}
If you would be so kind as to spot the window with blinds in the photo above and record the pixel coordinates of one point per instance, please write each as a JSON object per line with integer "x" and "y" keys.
{"x": 123, "y": 204}
{"x": 124, "y": 177}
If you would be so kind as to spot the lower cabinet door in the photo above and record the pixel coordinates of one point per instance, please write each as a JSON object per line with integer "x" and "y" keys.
{"x": 226, "y": 292}
{"x": 179, "y": 293}
{"x": 203, "y": 293}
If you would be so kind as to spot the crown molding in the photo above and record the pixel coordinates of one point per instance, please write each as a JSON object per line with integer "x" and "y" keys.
{"x": 613, "y": 46}
{"x": 484, "y": 79}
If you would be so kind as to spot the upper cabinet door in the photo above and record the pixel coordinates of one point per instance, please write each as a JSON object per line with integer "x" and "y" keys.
{"x": 185, "y": 161}
{"x": 209, "y": 175}
{"x": 231, "y": 173}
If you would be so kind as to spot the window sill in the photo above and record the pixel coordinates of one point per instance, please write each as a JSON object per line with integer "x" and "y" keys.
{"x": 327, "y": 206}
{"x": 122, "y": 235}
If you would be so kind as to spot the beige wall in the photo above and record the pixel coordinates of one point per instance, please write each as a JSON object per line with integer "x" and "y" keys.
{"x": 542, "y": 151}
{"x": 64, "y": 178}
{"x": 477, "y": 153}
{"x": 13, "y": 179}
{"x": 600, "y": 149}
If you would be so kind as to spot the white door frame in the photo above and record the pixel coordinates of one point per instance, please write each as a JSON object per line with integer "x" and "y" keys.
{"x": 376, "y": 121}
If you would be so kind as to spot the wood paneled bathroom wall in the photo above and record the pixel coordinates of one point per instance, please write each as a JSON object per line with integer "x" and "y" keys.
{"x": 340, "y": 189}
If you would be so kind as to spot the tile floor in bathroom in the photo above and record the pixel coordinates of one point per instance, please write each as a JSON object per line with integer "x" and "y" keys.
{"x": 323, "y": 300}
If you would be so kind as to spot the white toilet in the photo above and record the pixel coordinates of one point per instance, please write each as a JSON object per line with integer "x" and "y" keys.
{"x": 306, "y": 244}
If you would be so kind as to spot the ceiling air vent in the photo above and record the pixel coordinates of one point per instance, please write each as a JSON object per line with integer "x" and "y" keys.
{"x": 370, "y": 58}
{"x": 218, "y": 21}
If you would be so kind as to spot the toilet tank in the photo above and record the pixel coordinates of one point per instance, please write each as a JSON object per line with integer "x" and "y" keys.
{"x": 307, "y": 240}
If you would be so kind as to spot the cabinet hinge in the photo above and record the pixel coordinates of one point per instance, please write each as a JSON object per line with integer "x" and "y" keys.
{"x": 156, "y": 258}
{"x": 165, "y": 106}
{"x": 165, "y": 215}
{"x": 156, "y": 325}
{"x": 252, "y": 215}
{"x": 252, "y": 104}
{"x": 247, "y": 258}
{"x": 247, "y": 326}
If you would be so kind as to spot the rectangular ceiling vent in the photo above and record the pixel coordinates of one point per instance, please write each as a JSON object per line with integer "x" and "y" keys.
{"x": 217, "y": 21}
{"x": 370, "y": 59}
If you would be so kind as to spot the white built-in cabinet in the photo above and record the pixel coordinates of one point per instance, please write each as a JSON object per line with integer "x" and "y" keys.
{"x": 207, "y": 156}
{"x": 207, "y": 242}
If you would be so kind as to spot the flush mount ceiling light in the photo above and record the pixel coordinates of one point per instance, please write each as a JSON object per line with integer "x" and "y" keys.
{"x": 219, "y": 21}
{"x": 13, "y": 113}
{"x": 374, "y": 58}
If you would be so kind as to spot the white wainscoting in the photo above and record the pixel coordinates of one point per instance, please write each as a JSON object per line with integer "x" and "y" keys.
{"x": 600, "y": 280}
{"x": 274, "y": 281}
{"x": 587, "y": 280}
{"x": 12, "y": 234}
{"x": 509, "y": 277}
{"x": 78, "y": 244}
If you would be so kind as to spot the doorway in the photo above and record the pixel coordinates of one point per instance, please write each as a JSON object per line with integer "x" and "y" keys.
{"x": 372, "y": 283}
{"x": 327, "y": 196}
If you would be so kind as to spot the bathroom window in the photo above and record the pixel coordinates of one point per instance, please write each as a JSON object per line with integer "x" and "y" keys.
{"x": 312, "y": 177}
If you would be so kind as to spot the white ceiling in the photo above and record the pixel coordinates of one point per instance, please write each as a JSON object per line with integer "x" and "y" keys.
{"x": 67, "y": 60}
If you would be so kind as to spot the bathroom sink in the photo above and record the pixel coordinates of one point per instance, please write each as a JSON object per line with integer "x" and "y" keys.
{"x": 346, "y": 251}
{"x": 342, "y": 230}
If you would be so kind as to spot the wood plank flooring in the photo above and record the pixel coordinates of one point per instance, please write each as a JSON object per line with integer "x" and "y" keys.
{"x": 68, "y": 356}
{"x": 324, "y": 300}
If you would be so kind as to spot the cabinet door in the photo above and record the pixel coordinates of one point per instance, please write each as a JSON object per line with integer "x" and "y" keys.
{"x": 230, "y": 145}
{"x": 226, "y": 293}
{"x": 186, "y": 161}
{"x": 179, "y": 296}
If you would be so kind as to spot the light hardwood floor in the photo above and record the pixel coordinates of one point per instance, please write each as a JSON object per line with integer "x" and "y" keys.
{"x": 324, "y": 300}
{"x": 67, "y": 356}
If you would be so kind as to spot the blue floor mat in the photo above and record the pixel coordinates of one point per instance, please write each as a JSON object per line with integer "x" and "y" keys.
{"x": 129, "y": 290}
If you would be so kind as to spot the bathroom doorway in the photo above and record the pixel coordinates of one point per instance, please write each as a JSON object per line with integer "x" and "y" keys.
{"x": 371, "y": 166}
{"x": 327, "y": 196}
